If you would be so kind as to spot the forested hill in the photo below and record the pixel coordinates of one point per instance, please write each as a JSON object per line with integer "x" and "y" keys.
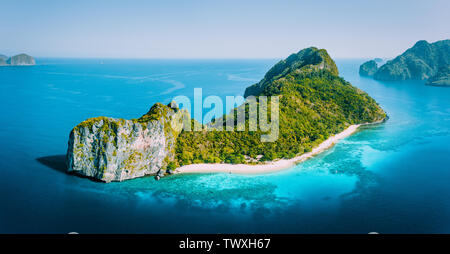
{"x": 315, "y": 103}
{"x": 306, "y": 59}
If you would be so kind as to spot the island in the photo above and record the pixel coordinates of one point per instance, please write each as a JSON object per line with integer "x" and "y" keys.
{"x": 368, "y": 68}
{"x": 17, "y": 60}
{"x": 421, "y": 62}
{"x": 316, "y": 108}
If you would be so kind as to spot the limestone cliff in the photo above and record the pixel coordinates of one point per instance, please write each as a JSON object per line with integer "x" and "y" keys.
{"x": 109, "y": 149}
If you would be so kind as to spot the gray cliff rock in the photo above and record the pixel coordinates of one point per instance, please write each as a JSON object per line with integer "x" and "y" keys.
{"x": 109, "y": 149}
{"x": 21, "y": 59}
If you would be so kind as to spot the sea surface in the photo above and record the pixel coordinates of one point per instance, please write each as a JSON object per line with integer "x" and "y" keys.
{"x": 389, "y": 178}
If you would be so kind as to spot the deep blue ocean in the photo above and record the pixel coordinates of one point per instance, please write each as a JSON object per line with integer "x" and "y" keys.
{"x": 388, "y": 178}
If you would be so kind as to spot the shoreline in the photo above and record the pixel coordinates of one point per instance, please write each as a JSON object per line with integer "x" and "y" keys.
{"x": 272, "y": 166}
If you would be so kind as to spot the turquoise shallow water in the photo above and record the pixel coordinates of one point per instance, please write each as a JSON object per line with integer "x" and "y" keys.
{"x": 390, "y": 178}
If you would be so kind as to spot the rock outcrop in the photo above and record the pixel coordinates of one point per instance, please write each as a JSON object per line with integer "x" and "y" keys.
{"x": 109, "y": 149}
{"x": 368, "y": 68}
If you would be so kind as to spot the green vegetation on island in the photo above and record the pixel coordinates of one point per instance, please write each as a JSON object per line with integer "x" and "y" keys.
{"x": 315, "y": 103}
{"x": 308, "y": 59}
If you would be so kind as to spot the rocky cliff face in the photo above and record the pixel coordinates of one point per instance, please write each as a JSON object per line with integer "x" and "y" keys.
{"x": 109, "y": 149}
{"x": 22, "y": 59}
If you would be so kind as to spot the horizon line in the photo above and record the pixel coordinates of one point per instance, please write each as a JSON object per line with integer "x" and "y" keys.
{"x": 186, "y": 58}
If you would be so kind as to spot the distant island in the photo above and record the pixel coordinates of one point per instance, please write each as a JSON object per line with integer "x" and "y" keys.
{"x": 424, "y": 61}
{"x": 368, "y": 68}
{"x": 316, "y": 108}
{"x": 17, "y": 60}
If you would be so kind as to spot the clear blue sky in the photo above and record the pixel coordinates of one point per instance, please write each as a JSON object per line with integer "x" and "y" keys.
{"x": 218, "y": 29}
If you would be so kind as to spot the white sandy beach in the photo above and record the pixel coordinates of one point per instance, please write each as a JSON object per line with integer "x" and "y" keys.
{"x": 266, "y": 167}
